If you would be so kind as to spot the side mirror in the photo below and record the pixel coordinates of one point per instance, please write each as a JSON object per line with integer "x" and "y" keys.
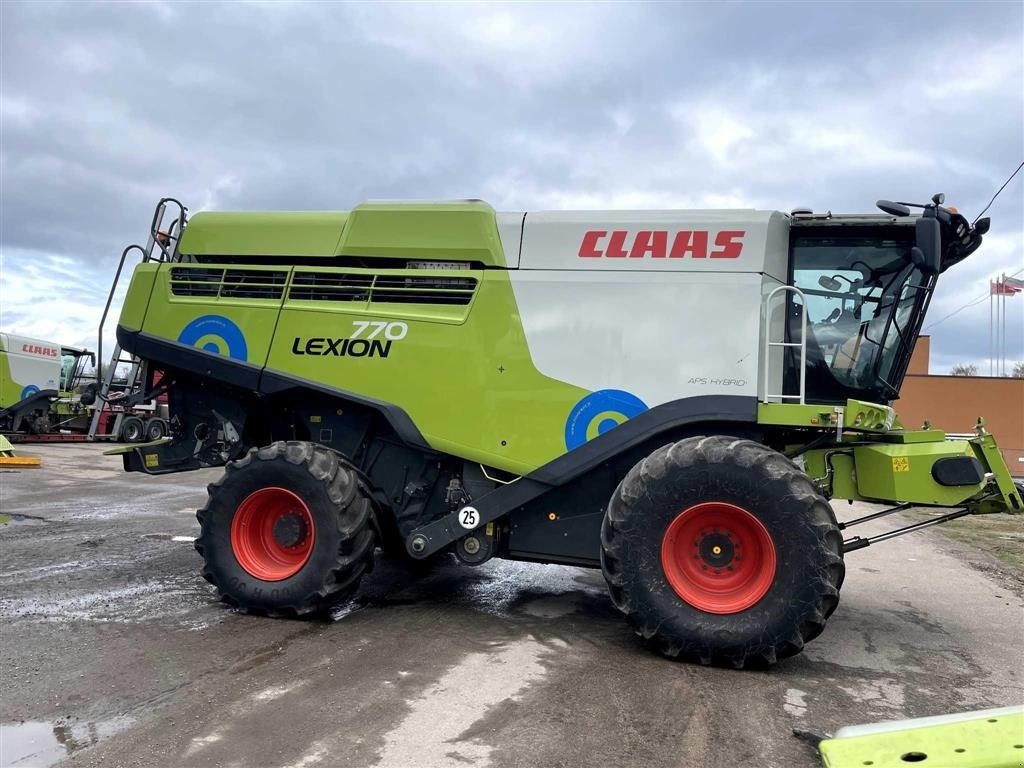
{"x": 982, "y": 226}
{"x": 829, "y": 283}
{"x": 927, "y": 253}
{"x": 938, "y": 198}
{"x": 893, "y": 209}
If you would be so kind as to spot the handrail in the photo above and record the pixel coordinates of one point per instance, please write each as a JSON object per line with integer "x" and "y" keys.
{"x": 769, "y": 344}
{"x": 157, "y": 239}
{"x": 110, "y": 298}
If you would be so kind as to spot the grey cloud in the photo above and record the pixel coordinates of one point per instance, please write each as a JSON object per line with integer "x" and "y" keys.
{"x": 106, "y": 107}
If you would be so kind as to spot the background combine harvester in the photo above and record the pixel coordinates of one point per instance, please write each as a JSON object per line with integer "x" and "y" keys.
{"x": 671, "y": 396}
{"x": 48, "y": 393}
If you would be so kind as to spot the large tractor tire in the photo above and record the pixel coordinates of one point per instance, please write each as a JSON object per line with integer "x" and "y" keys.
{"x": 721, "y": 550}
{"x": 288, "y": 530}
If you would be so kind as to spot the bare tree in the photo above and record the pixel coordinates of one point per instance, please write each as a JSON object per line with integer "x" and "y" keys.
{"x": 1018, "y": 371}
{"x": 964, "y": 369}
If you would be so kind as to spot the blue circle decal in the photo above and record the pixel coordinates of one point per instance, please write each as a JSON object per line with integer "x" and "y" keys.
{"x": 28, "y": 391}
{"x": 216, "y": 334}
{"x": 598, "y": 413}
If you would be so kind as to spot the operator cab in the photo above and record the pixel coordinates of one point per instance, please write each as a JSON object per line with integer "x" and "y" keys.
{"x": 73, "y": 366}
{"x": 866, "y": 283}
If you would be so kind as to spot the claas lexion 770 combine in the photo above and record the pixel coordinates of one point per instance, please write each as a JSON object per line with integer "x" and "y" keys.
{"x": 671, "y": 396}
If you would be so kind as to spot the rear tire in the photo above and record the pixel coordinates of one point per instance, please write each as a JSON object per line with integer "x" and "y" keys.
{"x": 288, "y": 530}
{"x": 155, "y": 429}
{"x": 722, "y": 551}
{"x": 132, "y": 430}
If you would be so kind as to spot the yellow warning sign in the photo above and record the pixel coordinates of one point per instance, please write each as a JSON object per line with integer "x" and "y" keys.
{"x": 900, "y": 463}
{"x": 152, "y": 460}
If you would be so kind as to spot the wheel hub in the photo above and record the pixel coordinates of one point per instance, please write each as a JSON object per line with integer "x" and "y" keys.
{"x": 272, "y": 534}
{"x": 716, "y": 549}
{"x": 718, "y": 557}
{"x": 290, "y": 529}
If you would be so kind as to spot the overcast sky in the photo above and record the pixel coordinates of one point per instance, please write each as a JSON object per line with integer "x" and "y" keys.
{"x": 107, "y": 107}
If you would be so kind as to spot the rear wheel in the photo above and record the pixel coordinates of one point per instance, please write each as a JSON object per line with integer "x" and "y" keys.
{"x": 721, "y": 550}
{"x": 155, "y": 429}
{"x": 132, "y": 430}
{"x": 288, "y": 530}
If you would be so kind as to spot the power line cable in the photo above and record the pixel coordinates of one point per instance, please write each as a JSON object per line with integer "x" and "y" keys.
{"x": 997, "y": 194}
{"x": 957, "y": 311}
{"x": 970, "y": 303}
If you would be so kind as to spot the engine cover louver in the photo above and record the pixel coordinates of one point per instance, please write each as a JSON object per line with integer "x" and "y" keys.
{"x": 381, "y": 289}
{"x": 228, "y": 283}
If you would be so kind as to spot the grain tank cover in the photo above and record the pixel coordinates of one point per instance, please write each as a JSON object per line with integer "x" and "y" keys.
{"x": 462, "y": 230}
{"x": 268, "y": 233}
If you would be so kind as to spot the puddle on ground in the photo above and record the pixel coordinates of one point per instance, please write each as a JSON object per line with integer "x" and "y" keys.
{"x": 39, "y": 744}
{"x": 21, "y": 519}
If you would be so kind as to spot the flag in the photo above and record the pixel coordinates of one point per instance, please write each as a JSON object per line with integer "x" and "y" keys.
{"x": 1007, "y": 288}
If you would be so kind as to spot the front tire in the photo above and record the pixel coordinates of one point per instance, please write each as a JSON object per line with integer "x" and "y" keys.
{"x": 288, "y": 530}
{"x": 722, "y": 551}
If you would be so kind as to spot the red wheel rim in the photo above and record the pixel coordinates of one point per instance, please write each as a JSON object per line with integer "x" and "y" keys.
{"x": 718, "y": 557}
{"x": 272, "y": 534}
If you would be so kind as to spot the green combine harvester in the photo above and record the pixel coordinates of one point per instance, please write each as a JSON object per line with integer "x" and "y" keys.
{"x": 671, "y": 396}
{"x": 44, "y": 387}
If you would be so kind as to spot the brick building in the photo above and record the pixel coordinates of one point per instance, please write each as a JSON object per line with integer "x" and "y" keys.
{"x": 954, "y": 403}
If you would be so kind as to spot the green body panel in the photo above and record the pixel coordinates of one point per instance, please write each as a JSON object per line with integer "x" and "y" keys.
{"x": 137, "y": 299}
{"x": 917, "y": 436}
{"x": 458, "y": 231}
{"x": 987, "y": 452}
{"x": 896, "y": 464}
{"x": 834, "y": 471}
{"x": 463, "y": 374}
{"x": 903, "y": 473}
{"x": 503, "y": 412}
{"x": 256, "y": 316}
{"x": 214, "y": 233}
{"x": 10, "y": 390}
{"x": 986, "y": 741}
{"x": 857, "y": 415}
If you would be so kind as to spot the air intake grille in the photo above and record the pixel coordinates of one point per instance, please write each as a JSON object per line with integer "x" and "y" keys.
{"x": 228, "y": 283}
{"x": 382, "y": 289}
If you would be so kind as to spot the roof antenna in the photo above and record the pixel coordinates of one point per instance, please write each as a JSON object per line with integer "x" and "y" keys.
{"x": 997, "y": 194}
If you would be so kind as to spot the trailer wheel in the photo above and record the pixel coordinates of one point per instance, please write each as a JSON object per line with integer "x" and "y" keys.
{"x": 155, "y": 429}
{"x": 288, "y": 530}
{"x": 722, "y": 551}
{"x": 132, "y": 430}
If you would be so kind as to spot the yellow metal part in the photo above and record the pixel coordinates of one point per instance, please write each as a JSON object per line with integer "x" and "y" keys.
{"x": 985, "y": 739}
{"x": 20, "y": 462}
{"x": 132, "y": 446}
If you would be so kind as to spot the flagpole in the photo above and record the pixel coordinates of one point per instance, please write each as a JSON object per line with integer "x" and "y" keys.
{"x": 991, "y": 340}
{"x": 1002, "y": 357}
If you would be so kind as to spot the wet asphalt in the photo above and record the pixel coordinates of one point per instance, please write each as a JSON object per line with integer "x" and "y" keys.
{"x": 115, "y": 652}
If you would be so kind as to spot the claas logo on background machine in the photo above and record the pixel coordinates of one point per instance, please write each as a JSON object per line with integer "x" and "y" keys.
{"x": 655, "y": 244}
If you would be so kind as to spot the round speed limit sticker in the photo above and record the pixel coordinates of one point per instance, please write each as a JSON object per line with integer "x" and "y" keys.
{"x": 469, "y": 518}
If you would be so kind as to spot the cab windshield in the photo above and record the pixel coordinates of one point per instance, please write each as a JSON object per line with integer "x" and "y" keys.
{"x": 72, "y": 365}
{"x": 864, "y": 300}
